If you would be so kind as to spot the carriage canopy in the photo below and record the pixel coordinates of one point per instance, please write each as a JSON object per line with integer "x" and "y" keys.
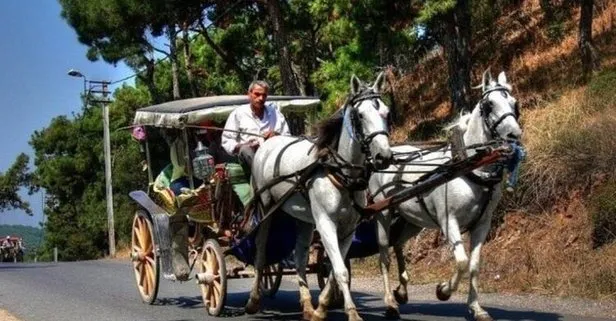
{"x": 193, "y": 111}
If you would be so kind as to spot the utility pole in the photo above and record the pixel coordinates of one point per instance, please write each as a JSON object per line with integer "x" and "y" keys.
{"x": 107, "y": 149}
{"x": 104, "y": 91}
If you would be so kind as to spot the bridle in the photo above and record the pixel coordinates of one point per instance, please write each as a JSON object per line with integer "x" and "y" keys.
{"x": 357, "y": 132}
{"x": 486, "y": 109}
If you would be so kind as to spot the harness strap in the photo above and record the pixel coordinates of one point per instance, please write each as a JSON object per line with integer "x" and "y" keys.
{"x": 279, "y": 156}
{"x": 424, "y": 207}
{"x": 485, "y": 182}
{"x": 486, "y": 197}
{"x": 303, "y": 177}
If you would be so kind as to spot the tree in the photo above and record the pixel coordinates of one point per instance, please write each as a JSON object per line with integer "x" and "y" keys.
{"x": 451, "y": 22}
{"x": 16, "y": 177}
{"x": 585, "y": 38}
{"x": 279, "y": 32}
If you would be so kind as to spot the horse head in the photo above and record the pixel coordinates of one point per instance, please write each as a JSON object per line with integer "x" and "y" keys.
{"x": 498, "y": 109}
{"x": 367, "y": 115}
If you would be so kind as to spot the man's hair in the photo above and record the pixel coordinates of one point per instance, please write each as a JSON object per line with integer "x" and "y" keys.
{"x": 260, "y": 83}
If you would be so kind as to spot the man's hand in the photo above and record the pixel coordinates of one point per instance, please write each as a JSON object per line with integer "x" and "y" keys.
{"x": 269, "y": 134}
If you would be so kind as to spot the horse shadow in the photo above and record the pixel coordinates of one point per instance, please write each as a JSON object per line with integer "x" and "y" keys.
{"x": 285, "y": 306}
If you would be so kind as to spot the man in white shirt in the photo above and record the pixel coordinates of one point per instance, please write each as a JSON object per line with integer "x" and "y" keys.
{"x": 259, "y": 118}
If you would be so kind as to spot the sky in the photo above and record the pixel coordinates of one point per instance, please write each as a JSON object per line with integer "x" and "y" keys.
{"x": 38, "y": 48}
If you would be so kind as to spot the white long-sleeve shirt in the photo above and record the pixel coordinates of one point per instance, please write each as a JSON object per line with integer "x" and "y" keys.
{"x": 243, "y": 119}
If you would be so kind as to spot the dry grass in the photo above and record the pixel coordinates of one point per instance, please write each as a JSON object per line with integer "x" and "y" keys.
{"x": 6, "y": 316}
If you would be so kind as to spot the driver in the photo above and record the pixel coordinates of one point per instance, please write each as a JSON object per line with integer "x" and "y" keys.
{"x": 6, "y": 243}
{"x": 257, "y": 117}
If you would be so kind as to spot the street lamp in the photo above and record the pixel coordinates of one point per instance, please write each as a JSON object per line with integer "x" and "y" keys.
{"x": 107, "y": 146}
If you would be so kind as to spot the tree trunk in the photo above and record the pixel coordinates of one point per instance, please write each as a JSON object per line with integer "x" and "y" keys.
{"x": 173, "y": 57}
{"x": 585, "y": 38}
{"x": 456, "y": 36}
{"x": 148, "y": 79}
{"x": 289, "y": 85}
{"x": 188, "y": 60}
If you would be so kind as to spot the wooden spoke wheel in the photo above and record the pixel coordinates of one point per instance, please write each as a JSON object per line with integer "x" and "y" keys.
{"x": 146, "y": 264}
{"x": 212, "y": 277}
{"x": 270, "y": 280}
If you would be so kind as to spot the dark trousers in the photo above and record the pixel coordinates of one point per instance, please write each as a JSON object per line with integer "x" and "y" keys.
{"x": 246, "y": 154}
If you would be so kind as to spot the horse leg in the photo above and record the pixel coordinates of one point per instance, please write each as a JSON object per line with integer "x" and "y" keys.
{"x": 329, "y": 237}
{"x": 400, "y": 293}
{"x": 253, "y": 304}
{"x": 445, "y": 289}
{"x": 478, "y": 236}
{"x": 302, "y": 247}
{"x": 383, "y": 222}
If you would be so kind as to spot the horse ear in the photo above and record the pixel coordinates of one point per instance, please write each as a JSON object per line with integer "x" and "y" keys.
{"x": 502, "y": 80}
{"x": 486, "y": 79}
{"x": 379, "y": 83}
{"x": 355, "y": 84}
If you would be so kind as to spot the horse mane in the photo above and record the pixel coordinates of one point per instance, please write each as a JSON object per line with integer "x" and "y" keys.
{"x": 461, "y": 122}
{"x": 328, "y": 132}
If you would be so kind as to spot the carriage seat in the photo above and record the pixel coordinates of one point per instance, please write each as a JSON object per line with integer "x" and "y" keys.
{"x": 239, "y": 182}
{"x": 193, "y": 202}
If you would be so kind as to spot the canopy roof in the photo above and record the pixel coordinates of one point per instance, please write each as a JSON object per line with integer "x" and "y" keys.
{"x": 193, "y": 111}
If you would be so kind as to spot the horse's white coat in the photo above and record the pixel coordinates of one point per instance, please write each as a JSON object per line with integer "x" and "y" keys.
{"x": 328, "y": 207}
{"x": 453, "y": 206}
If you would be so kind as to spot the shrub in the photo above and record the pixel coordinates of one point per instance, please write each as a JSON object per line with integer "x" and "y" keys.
{"x": 603, "y": 205}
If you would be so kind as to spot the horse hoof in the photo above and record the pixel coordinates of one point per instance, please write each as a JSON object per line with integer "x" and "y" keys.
{"x": 252, "y": 307}
{"x": 401, "y": 298}
{"x": 483, "y": 317}
{"x": 353, "y": 315}
{"x": 392, "y": 313}
{"x": 440, "y": 294}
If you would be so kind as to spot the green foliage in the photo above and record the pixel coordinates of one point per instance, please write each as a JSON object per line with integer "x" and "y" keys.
{"x": 11, "y": 181}
{"x": 334, "y": 76}
{"x": 603, "y": 204}
{"x": 601, "y": 92}
{"x": 433, "y": 9}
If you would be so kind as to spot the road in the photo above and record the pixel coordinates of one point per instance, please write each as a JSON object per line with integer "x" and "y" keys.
{"x": 105, "y": 290}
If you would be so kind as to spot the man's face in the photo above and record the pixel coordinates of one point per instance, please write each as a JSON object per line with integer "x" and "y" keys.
{"x": 257, "y": 97}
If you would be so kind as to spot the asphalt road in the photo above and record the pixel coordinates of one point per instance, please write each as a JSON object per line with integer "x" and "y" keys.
{"x": 105, "y": 290}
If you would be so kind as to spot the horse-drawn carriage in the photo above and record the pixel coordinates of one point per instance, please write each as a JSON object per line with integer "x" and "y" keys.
{"x": 215, "y": 207}
{"x": 319, "y": 182}
{"x": 11, "y": 249}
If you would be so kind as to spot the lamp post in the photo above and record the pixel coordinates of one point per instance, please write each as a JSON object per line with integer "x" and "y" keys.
{"x": 107, "y": 146}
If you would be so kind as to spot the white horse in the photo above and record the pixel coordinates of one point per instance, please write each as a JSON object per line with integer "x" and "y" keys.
{"x": 349, "y": 144}
{"x": 465, "y": 203}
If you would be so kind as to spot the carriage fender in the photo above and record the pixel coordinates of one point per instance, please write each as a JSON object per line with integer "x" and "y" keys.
{"x": 147, "y": 203}
{"x": 160, "y": 222}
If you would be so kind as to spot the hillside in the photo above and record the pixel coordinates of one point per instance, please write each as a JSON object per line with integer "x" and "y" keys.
{"x": 555, "y": 234}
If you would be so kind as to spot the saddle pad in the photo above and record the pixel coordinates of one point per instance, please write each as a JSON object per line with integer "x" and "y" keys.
{"x": 236, "y": 173}
{"x": 243, "y": 191}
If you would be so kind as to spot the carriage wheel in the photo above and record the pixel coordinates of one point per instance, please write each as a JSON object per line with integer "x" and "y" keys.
{"x": 270, "y": 280}
{"x": 212, "y": 277}
{"x": 146, "y": 263}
